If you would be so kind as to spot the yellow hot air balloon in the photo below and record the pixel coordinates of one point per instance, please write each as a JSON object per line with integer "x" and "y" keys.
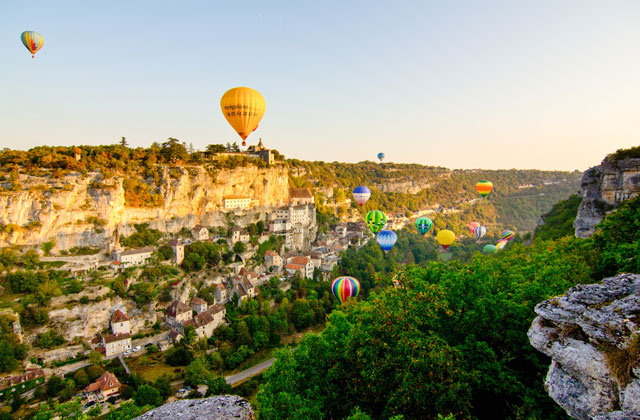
{"x": 243, "y": 108}
{"x": 445, "y": 238}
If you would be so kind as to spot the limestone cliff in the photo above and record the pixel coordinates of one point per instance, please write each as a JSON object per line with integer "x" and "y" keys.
{"x": 85, "y": 210}
{"x": 221, "y": 407}
{"x": 592, "y": 336}
{"x": 604, "y": 187}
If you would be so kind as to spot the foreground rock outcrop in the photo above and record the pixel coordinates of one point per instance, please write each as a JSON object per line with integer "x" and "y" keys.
{"x": 582, "y": 331}
{"x": 603, "y": 188}
{"x": 221, "y": 407}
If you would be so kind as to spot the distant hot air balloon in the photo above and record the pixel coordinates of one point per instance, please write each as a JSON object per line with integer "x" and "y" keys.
{"x": 473, "y": 226}
{"x": 32, "y": 40}
{"x": 490, "y": 249}
{"x": 484, "y": 187}
{"x": 375, "y": 220}
{"x": 501, "y": 244}
{"x": 243, "y": 108}
{"x": 381, "y": 156}
{"x": 480, "y": 231}
{"x": 445, "y": 238}
{"x": 424, "y": 224}
{"x": 361, "y": 194}
{"x": 386, "y": 239}
{"x": 507, "y": 235}
{"x": 345, "y": 287}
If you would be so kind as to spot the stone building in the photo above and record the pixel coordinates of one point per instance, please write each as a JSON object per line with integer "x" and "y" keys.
{"x": 106, "y": 386}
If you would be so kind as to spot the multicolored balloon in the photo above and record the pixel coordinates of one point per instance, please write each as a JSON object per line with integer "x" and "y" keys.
{"x": 480, "y": 231}
{"x": 381, "y": 156}
{"x": 501, "y": 244}
{"x": 424, "y": 225}
{"x": 375, "y": 220}
{"x": 490, "y": 249}
{"x": 386, "y": 239}
{"x": 473, "y": 226}
{"x": 344, "y": 288}
{"x": 361, "y": 195}
{"x": 507, "y": 235}
{"x": 243, "y": 108}
{"x": 33, "y": 41}
{"x": 445, "y": 238}
{"x": 484, "y": 187}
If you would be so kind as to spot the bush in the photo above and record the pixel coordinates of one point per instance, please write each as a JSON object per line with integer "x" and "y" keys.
{"x": 179, "y": 356}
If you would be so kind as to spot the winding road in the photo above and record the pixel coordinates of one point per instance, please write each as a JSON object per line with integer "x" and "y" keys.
{"x": 248, "y": 373}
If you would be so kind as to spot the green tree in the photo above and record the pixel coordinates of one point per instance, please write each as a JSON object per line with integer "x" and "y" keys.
{"x": 196, "y": 373}
{"x": 81, "y": 378}
{"x": 239, "y": 247}
{"x": 217, "y": 386}
{"x": 54, "y": 386}
{"x": 163, "y": 385}
{"x": 147, "y": 395}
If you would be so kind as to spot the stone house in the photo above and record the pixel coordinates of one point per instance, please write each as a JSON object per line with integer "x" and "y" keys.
{"x": 206, "y": 322}
{"x": 220, "y": 293}
{"x": 136, "y": 256}
{"x": 120, "y": 323}
{"x": 236, "y": 202}
{"x": 178, "y": 251}
{"x": 306, "y": 263}
{"x": 300, "y": 196}
{"x": 116, "y": 343}
{"x": 106, "y": 386}
{"x": 240, "y": 235}
{"x": 200, "y": 233}
{"x": 177, "y": 314}
{"x": 292, "y": 269}
{"x": 271, "y": 258}
{"x": 250, "y": 276}
{"x": 199, "y": 305}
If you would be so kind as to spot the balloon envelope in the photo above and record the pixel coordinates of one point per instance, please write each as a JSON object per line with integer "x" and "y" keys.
{"x": 501, "y": 244}
{"x": 490, "y": 249}
{"x": 361, "y": 194}
{"x": 424, "y": 224}
{"x": 507, "y": 235}
{"x": 473, "y": 226}
{"x": 484, "y": 187}
{"x": 32, "y": 40}
{"x": 243, "y": 108}
{"x": 345, "y": 287}
{"x": 480, "y": 231}
{"x": 380, "y": 156}
{"x": 387, "y": 239}
{"x": 375, "y": 220}
{"x": 445, "y": 238}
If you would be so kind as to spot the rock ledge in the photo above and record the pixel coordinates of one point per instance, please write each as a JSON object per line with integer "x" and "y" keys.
{"x": 220, "y": 407}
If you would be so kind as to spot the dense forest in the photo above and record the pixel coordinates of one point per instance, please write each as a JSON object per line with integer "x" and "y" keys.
{"x": 451, "y": 339}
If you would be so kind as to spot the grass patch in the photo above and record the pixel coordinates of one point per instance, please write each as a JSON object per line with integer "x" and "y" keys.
{"x": 622, "y": 362}
{"x": 155, "y": 368}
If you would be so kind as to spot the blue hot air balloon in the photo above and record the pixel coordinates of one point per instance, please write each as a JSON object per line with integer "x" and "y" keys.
{"x": 381, "y": 156}
{"x": 386, "y": 239}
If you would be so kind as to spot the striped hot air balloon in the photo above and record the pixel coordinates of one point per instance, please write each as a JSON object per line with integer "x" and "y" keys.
{"x": 484, "y": 187}
{"x": 507, "y": 235}
{"x": 386, "y": 239}
{"x": 344, "y": 288}
{"x": 424, "y": 225}
{"x": 375, "y": 220}
{"x": 33, "y": 41}
{"x": 480, "y": 231}
{"x": 501, "y": 244}
{"x": 361, "y": 195}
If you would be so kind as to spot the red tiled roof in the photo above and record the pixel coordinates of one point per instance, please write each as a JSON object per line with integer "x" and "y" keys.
{"x": 107, "y": 381}
{"x": 291, "y": 266}
{"x": 236, "y": 197}
{"x": 197, "y": 301}
{"x": 112, "y": 338}
{"x": 119, "y": 316}
{"x": 177, "y": 307}
{"x": 300, "y": 260}
{"x": 300, "y": 193}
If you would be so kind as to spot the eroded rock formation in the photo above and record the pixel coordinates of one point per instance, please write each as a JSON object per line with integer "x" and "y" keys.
{"x": 221, "y": 407}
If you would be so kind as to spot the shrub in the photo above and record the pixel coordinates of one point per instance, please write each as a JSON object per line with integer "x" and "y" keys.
{"x": 622, "y": 361}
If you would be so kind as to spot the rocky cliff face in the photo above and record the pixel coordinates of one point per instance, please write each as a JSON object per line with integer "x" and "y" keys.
{"x": 85, "y": 210}
{"x": 221, "y": 407}
{"x": 602, "y": 188}
{"x": 592, "y": 336}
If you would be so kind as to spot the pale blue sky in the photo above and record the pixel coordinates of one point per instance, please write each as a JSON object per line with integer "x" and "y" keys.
{"x": 464, "y": 84}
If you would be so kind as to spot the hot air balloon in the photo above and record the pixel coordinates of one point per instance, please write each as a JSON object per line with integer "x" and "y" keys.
{"x": 375, "y": 220}
{"x": 424, "y": 224}
{"x": 243, "y": 108}
{"x": 361, "y": 194}
{"x": 480, "y": 231}
{"x": 386, "y": 239}
{"x": 380, "y": 156}
{"x": 490, "y": 249}
{"x": 507, "y": 235}
{"x": 473, "y": 226}
{"x": 484, "y": 187}
{"x": 445, "y": 238}
{"x": 501, "y": 244}
{"x": 345, "y": 287}
{"x": 32, "y": 40}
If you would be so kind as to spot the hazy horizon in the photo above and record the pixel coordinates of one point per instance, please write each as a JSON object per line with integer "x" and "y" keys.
{"x": 498, "y": 85}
